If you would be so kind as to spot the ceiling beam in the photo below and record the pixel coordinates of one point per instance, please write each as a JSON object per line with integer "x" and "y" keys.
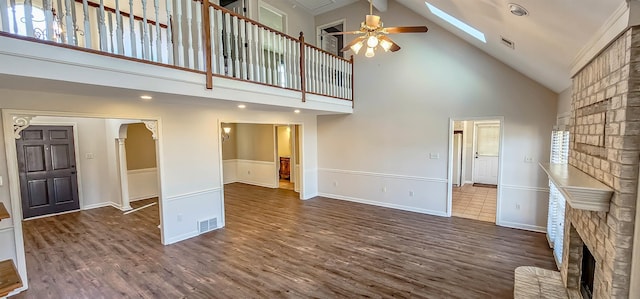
{"x": 380, "y": 5}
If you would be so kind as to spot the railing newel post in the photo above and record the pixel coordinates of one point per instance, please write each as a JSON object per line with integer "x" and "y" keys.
{"x": 207, "y": 37}
{"x": 303, "y": 84}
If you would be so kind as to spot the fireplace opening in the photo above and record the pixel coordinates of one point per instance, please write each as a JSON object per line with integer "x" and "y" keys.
{"x": 588, "y": 271}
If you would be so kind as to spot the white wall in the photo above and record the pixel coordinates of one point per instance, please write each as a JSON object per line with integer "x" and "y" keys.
{"x": 258, "y": 173}
{"x": 397, "y": 124}
{"x": 564, "y": 106}
{"x": 143, "y": 183}
{"x": 298, "y": 19}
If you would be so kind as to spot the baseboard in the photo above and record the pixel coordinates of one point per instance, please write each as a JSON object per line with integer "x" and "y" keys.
{"x": 231, "y": 182}
{"x": 182, "y": 237}
{"x": 385, "y": 205}
{"x": 533, "y": 228}
{"x": 258, "y": 184}
{"x": 143, "y": 197}
{"x": 102, "y": 205}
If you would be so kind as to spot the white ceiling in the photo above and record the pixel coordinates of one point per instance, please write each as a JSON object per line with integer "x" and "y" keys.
{"x": 546, "y": 41}
{"x": 316, "y": 7}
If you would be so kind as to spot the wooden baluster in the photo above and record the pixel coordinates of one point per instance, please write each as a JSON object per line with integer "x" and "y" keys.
{"x": 156, "y": 6}
{"x": 102, "y": 28}
{"x": 312, "y": 69}
{"x": 200, "y": 45}
{"x": 301, "y": 75}
{"x": 287, "y": 62}
{"x": 180, "y": 39}
{"x": 342, "y": 79}
{"x": 28, "y": 18}
{"x": 132, "y": 32}
{"x": 119, "y": 30}
{"x": 48, "y": 18}
{"x": 269, "y": 56}
{"x": 145, "y": 33}
{"x": 110, "y": 23}
{"x": 284, "y": 62}
{"x": 227, "y": 45}
{"x": 13, "y": 14}
{"x": 243, "y": 45}
{"x": 236, "y": 47}
{"x": 4, "y": 16}
{"x": 259, "y": 51}
{"x": 214, "y": 39}
{"x": 61, "y": 24}
{"x": 87, "y": 24}
{"x": 149, "y": 28}
{"x": 169, "y": 4}
{"x": 74, "y": 18}
{"x": 220, "y": 42}
{"x": 190, "y": 51}
{"x": 70, "y": 29}
{"x": 250, "y": 49}
{"x": 332, "y": 76}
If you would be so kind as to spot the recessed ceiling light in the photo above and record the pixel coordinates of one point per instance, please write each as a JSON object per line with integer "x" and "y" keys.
{"x": 146, "y": 98}
{"x": 457, "y": 23}
{"x": 296, "y": 111}
{"x": 242, "y": 106}
{"x": 518, "y": 10}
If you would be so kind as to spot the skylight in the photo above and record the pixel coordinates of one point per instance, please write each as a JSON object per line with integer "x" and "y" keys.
{"x": 455, "y": 22}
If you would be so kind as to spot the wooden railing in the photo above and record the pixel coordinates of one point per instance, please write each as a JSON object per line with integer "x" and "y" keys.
{"x": 193, "y": 35}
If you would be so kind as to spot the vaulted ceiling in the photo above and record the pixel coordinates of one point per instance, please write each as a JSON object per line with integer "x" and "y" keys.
{"x": 546, "y": 41}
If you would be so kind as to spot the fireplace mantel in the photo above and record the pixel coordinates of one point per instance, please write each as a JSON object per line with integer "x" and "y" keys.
{"x": 581, "y": 190}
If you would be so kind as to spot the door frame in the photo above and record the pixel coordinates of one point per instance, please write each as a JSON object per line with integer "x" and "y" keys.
{"x": 267, "y": 6}
{"x": 475, "y": 145}
{"x": 76, "y": 148}
{"x": 500, "y": 119}
{"x": 274, "y": 124}
{"x": 13, "y": 173}
{"x": 319, "y": 29}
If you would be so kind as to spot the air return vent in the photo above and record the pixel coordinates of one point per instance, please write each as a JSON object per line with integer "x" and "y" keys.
{"x": 507, "y": 42}
{"x": 207, "y": 225}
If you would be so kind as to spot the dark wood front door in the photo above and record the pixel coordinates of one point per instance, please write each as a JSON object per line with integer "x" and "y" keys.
{"x": 47, "y": 165}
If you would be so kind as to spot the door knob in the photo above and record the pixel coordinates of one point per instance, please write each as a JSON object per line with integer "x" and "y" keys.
{"x": 73, "y": 172}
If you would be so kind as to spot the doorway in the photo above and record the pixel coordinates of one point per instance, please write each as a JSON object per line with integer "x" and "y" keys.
{"x": 475, "y": 155}
{"x": 286, "y": 149}
{"x": 331, "y": 43}
{"x": 237, "y": 6}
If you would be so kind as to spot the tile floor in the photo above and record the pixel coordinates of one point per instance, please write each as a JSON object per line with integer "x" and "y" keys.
{"x": 477, "y": 203}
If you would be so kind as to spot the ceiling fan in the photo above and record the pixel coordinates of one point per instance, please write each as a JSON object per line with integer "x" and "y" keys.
{"x": 374, "y": 34}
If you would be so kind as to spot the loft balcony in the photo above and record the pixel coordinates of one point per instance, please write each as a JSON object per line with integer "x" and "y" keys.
{"x": 189, "y": 48}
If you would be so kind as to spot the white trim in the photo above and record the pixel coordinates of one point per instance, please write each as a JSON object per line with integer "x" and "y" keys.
{"x": 143, "y": 170}
{"x": 182, "y": 237}
{"x": 500, "y": 119}
{"x": 382, "y": 204}
{"x": 385, "y": 175}
{"x": 468, "y": 182}
{"x": 617, "y": 23}
{"x": 99, "y": 205}
{"x": 528, "y": 227}
{"x": 525, "y": 188}
{"x": 191, "y": 194}
{"x": 270, "y": 163}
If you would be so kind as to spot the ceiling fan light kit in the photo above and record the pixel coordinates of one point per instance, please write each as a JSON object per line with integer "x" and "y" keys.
{"x": 374, "y": 34}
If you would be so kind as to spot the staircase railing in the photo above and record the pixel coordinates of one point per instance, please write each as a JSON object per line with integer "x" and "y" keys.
{"x": 192, "y": 35}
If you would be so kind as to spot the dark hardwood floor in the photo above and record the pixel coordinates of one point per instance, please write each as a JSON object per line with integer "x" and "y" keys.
{"x": 275, "y": 245}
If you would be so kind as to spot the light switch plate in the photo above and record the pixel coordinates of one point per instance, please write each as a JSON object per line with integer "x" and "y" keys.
{"x": 434, "y": 156}
{"x": 90, "y": 156}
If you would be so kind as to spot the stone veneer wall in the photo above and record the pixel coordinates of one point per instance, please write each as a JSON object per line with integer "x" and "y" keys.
{"x": 605, "y": 130}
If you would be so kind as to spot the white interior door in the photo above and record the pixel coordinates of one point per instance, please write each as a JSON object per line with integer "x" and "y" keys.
{"x": 239, "y": 7}
{"x": 487, "y": 145}
{"x": 330, "y": 44}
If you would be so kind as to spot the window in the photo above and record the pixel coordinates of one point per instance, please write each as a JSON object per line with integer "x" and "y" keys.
{"x": 457, "y": 23}
{"x": 557, "y": 202}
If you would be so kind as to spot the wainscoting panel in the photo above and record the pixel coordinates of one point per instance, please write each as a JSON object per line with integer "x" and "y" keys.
{"x": 410, "y": 193}
{"x": 7, "y": 244}
{"x": 524, "y": 207}
{"x": 230, "y": 171}
{"x": 199, "y": 205}
{"x": 258, "y": 173}
{"x": 143, "y": 183}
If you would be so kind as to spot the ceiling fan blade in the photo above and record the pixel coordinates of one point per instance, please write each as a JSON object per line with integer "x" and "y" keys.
{"x": 406, "y": 29}
{"x": 394, "y": 47}
{"x": 344, "y": 33}
{"x": 353, "y": 42}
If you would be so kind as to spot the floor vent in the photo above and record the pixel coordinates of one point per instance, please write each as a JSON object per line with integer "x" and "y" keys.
{"x": 207, "y": 225}
{"x": 507, "y": 43}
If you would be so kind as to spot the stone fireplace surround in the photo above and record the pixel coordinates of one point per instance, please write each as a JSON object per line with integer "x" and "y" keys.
{"x": 605, "y": 143}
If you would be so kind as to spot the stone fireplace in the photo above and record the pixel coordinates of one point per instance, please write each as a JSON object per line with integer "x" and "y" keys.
{"x": 605, "y": 144}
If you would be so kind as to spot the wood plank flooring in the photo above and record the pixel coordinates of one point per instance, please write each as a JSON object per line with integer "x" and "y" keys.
{"x": 276, "y": 246}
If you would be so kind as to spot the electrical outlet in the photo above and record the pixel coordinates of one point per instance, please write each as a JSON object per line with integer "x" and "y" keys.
{"x": 249, "y": 172}
{"x": 90, "y": 156}
{"x": 434, "y": 156}
{"x": 335, "y": 183}
{"x": 179, "y": 217}
{"x": 411, "y": 193}
{"x": 384, "y": 189}
{"x": 517, "y": 206}
{"x": 528, "y": 159}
